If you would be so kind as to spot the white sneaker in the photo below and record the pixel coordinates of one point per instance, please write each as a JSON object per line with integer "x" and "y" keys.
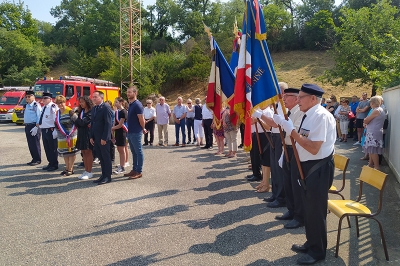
{"x": 126, "y": 164}
{"x": 96, "y": 160}
{"x": 82, "y": 175}
{"x": 357, "y": 143}
{"x": 86, "y": 176}
{"x": 120, "y": 170}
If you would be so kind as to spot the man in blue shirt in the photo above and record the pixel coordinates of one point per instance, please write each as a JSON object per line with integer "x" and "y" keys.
{"x": 353, "y": 106}
{"x": 136, "y": 128}
{"x": 180, "y": 112}
{"x": 32, "y": 114}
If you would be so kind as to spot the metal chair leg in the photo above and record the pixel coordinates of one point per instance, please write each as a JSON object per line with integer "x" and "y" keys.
{"x": 338, "y": 236}
{"x": 383, "y": 239}
{"x": 358, "y": 231}
{"x": 348, "y": 220}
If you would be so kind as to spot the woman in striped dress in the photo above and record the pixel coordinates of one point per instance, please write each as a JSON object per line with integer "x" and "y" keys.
{"x": 66, "y": 135}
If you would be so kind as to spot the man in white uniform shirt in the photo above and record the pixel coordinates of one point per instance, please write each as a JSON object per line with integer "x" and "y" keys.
{"x": 49, "y": 133}
{"x": 149, "y": 113}
{"x": 315, "y": 141}
{"x": 208, "y": 117}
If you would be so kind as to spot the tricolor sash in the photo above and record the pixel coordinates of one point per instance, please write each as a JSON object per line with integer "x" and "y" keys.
{"x": 124, "y": 127}
{"x": 64, "y": 131}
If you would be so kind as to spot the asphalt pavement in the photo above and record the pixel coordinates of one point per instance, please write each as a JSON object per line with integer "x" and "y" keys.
{"x": 189, "y": 208}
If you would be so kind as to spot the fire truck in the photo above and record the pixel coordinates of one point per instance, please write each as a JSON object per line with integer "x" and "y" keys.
{"x": 72, "y": 87}
{"x": 10, "y": 100}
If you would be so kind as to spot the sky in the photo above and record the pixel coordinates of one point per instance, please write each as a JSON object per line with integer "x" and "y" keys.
{"x": 40, "y": 9}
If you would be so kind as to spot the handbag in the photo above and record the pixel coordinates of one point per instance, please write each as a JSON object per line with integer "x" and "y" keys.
{"x": 351, "y": 115}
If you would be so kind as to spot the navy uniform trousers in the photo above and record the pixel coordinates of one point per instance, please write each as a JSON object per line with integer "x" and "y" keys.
{"x": 315, "y": 203}
{"x": 33, "y": 143}
{"x": 278, "y": 191}
{"x": 294, "y": 200}
{"x": 50, "y": 147}
{"x": 103, "y": 153}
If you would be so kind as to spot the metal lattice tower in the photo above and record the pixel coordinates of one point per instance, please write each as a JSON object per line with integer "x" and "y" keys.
{"x": 130, "y": 42}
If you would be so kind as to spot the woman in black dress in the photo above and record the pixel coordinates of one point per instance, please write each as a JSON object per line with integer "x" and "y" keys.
{"x": 82, "y": 121}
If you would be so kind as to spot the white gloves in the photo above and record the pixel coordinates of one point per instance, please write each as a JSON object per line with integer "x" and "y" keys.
{"x": 257, "y": 114}
{"x": 34, "y": 131}
{"x": 288, "y": 126}
{"x": 54, "y": 133}
{"x": 278, "y": 119}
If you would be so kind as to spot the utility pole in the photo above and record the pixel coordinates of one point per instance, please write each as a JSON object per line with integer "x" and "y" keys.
{"x": 130, "y": 42}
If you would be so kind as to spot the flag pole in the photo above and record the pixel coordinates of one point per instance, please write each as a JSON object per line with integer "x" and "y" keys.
{"x": 261, "y": 38}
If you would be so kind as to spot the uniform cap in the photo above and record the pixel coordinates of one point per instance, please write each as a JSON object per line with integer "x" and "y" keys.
{"x": 29, "y": 93}
{"x": 312, "y": 89}
{"x": 47, "y": 94}
{"x": 292, "y": 90}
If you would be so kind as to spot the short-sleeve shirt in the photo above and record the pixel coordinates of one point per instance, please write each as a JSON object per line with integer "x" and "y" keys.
{"x": 121, "y": 114}
{"x": 149, "y": 112}
{"x": 296, "y": 116}
{"x": 190, "y": 114}
{"x": 268, "y": 113}
{"x": 180, "y": 110}
{"x": 361, "y": 105}
{"x": 163, "y": 113}
{"x": 32, "y": 113}
{"x": 49, "y": 116}
{"x": 206, "y": 113}
{"x": 319, "y": 125}
{"x": 135, "y": 109}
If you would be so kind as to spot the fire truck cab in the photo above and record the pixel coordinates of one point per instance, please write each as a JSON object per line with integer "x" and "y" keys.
{"x": 72, "y": 87}
{"x": 10, "y": 101}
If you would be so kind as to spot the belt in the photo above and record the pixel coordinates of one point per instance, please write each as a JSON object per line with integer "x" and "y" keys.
{"x": 29, "y": 124}
{"x": 190, "y": 118}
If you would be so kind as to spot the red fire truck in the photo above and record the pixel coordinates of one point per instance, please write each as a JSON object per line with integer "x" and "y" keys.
{"x": 72, "y": 87}
{"x": 10, "y": 101}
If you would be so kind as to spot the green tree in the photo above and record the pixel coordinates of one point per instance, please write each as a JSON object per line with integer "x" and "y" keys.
{"x": 319, "y": 31}
{"x": 368, "y": 50}
{"x": 15, "y": 17}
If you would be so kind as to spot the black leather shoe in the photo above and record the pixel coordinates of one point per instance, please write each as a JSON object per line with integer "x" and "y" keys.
{"x": 98, "y": 180}
{"x": 46, "y": 167}
{"x": 104, "y": 181}
{"x": 276, "y": 204}
{"x": 285, "y": 216}
{"x": 205, "y": 147}
{"x": 306, "y": 260}
{"x": 34, "y": 163}
{"x": 270, "y": 199}
{"x": 52, "y": 168}
{"x": 254, "y": 178}
{"x": 293, "y": 224}
{"x": 299, "y": 248}
{"x": 29, "y": 163}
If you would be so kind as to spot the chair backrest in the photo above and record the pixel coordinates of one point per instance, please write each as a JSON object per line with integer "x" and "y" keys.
{"x": 341, "y": 162}
{"x": 373, "y": 177}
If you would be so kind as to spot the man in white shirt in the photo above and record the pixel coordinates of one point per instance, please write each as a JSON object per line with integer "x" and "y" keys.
{"x": 208, "y": 117}
{"x": 315, "y": 140}
{"x": 149, "y": 113}
{"x": 49, "y": 133}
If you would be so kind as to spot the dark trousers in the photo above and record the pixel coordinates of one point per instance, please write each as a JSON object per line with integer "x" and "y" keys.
{"x": 294, "y": 200}
{"x": 255, "y": 156}
{"x": 33, "y": 143}
{"x": 50, "y": 147}
{"x": 352, "y": 128}
{"x": 150, "y": 130}
{"x": 112, "y": 152}
{"x": 241, "y": 134}
{"x": 208, "y": 132}
{"x": 181, "y": 126}
{"x": 315, "y": 203}
{"x": 190, "y": 129}
{"x": 278, "y": 191}
{"x": 103, "y": 154}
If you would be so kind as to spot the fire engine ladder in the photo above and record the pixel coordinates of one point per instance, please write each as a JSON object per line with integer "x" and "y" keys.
{"x": 92, "y": 80}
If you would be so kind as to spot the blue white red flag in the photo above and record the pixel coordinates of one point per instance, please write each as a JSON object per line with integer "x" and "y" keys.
{"x": 264, "y": 83}
{"x": 221, "y": 83}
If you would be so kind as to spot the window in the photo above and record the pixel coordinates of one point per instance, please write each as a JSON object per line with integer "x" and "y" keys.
{"x": 86, "y": 91}
{"x": 55, "y": 89}
{"x": 78, "y": 91}
{"x": 69, "y": 91}
{"x": 9, "y": 100}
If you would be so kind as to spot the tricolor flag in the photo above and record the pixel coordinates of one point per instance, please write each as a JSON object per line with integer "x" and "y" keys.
{"x": 264, "y": 83}
{"x": 242, "y": 93}
{"x": 256, "y": 83}
{"x": 221, "y": 83}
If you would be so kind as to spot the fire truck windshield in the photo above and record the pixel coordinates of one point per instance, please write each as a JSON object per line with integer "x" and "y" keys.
{"x": 8, "y": 100}
{"x": 55, "y": 89}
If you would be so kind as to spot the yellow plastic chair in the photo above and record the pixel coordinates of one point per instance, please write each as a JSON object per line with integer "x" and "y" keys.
{"x": 341, "y": 163}
{"x": 346, "y": 208}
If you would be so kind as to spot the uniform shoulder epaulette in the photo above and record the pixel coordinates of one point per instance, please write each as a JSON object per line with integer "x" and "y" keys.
{"x": 34, "y": 104}
{"x": 53, "y": 106}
